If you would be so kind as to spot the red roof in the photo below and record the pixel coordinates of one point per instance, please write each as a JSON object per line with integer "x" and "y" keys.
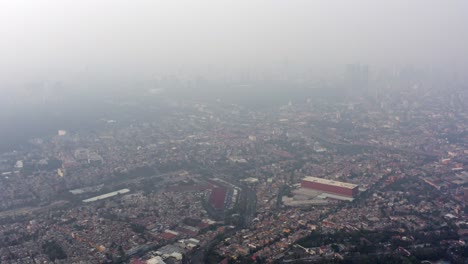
{"x": 168, "y": 236}
{"x": 137, "y": 261}
{"x": 187, "y": 231}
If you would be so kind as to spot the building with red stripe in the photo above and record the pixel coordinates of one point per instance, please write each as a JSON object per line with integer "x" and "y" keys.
{"x": 329, "y": 186}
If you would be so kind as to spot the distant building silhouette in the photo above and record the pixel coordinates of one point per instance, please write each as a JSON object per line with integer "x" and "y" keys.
{"x": 357, "y": 77}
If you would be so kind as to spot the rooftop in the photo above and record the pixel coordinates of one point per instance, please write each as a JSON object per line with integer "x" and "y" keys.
{"x": 107, "y": 195}
{"x": 330, "y": 182}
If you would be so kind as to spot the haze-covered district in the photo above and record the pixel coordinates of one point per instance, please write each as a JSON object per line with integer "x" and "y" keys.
{"x": 233, "y": 131}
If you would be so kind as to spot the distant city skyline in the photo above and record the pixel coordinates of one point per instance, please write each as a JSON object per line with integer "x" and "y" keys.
{"x": 57, "y": 39}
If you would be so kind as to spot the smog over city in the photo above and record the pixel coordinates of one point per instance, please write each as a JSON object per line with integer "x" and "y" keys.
{"x": 206, "y": 131}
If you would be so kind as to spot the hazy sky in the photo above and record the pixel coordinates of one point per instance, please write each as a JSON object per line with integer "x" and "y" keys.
{"x": 51, "y": 38}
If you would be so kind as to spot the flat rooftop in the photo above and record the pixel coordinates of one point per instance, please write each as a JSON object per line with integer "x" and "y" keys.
{"x": 338, "y": 197}
{"x": 330, "y": 182}
{"x": 107, "y": 195}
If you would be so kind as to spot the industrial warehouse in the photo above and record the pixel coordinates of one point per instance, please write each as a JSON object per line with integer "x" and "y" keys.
{"x": 329, "y": 186}
{"x": 315, "y": 191}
